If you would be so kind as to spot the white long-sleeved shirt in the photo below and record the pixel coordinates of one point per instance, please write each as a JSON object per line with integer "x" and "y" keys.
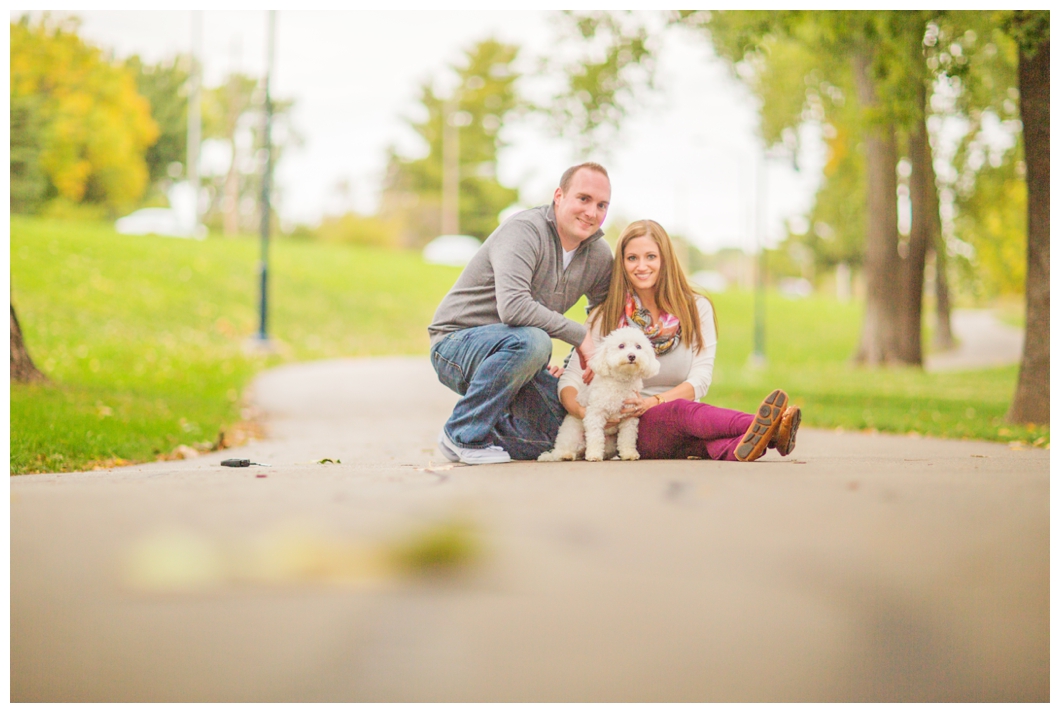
{"x": 678, "y": 365}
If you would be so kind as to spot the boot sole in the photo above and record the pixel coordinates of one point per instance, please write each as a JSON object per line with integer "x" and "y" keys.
{"x": 786, "y": 433}
{"x": 766, "y": 423}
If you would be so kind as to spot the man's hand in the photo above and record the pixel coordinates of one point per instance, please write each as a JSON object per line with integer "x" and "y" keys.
{"x": 556, "y": 371}
{"x": 585, "y": 351}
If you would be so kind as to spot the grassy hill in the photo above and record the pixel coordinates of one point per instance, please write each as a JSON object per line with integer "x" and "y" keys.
{"x": 144, "y": 340}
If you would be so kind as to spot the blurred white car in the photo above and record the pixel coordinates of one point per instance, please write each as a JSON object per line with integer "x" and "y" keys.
{"x": 455, "y": 250}
{"x": 175, "y": 222}
{"x": 153, "y": 221}
{"x": 710, "y": 280}
{"x": 795, "y": 287}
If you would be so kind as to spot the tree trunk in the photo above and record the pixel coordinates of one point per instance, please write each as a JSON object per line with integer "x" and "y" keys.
{"x": 230, "y": 201}
{"x": 879, "y": 334}
{"x": 943, "y": 328}
{"x": 923, "y": 195}
{"x": 22, "y": 368}
{"x": 1031, "y": 403}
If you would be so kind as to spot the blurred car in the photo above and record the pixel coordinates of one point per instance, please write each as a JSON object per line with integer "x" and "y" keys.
{"x": 710, "y": 280}
{"x": 154, "y": 221}
{"x": 795, "y": 287}
{"x": 177, "y": 221}
{"x": 454, "y": 250}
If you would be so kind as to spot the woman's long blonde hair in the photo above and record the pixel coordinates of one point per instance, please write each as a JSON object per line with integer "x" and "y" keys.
{"x": 673, "y": 294}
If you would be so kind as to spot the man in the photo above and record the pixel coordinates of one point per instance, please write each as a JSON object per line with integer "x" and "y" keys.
{"x": 491, "y": 338}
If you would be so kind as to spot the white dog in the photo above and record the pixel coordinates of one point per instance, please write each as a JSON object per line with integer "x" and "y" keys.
{"x": 624, "y": 359}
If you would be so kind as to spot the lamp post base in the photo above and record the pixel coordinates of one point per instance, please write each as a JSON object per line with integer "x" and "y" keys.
{"x": 257, "y": 344}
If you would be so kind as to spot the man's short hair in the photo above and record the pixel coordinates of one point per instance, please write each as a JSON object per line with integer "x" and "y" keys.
{"x": 568, "y": 175}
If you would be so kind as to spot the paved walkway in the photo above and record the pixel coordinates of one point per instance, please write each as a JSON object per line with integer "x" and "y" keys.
{"x": 861, "y": 568}
{"x": 984, "y": 341}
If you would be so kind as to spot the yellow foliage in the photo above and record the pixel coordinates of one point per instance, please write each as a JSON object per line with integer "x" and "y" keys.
{"x": 94, "y": 126}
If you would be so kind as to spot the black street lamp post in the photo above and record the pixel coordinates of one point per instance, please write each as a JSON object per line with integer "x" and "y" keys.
{"x": 266, "y": 181}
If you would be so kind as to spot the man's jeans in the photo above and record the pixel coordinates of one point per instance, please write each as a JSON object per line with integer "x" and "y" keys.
{"x": 509, "y": 398}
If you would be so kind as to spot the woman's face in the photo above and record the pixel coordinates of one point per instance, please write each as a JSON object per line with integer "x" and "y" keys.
{"x": 642, "y": 262}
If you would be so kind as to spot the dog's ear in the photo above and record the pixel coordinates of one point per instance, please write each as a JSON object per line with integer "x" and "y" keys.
{"x": 651, "y": 365}
{"x": 598, "y": 363}
{"x": 651, "y": 362}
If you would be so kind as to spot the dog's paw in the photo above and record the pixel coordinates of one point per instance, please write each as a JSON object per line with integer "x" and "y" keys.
{"x": 594, "y": 456}
{"x": 629, "y": 456}
{"x": 548, "y": 457}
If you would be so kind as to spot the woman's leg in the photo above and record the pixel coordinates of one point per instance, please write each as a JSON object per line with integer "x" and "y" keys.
{"x": 682, "y": 428}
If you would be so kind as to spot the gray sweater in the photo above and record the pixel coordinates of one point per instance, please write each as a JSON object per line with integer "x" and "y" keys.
{"x": 517, "y": 278}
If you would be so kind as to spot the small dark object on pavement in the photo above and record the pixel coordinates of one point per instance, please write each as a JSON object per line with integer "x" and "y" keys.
{"x": 241, "y": 463}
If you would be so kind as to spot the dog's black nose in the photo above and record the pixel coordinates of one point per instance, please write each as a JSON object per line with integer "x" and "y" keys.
{"x": 632, "y": 358}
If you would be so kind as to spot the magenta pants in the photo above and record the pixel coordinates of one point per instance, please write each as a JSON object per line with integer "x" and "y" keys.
{"x": 683, "y": 428}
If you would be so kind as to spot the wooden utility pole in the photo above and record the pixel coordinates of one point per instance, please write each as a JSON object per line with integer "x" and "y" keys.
{"x": 195, "y": 111}
{"x": 451, "y": 166}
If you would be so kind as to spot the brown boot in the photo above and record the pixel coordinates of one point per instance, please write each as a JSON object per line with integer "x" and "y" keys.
{"x": 760, "y": 433}
{"x": 784, "y": 440}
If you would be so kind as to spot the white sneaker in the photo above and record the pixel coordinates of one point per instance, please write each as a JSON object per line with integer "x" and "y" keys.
{"x": 471, "y": 456}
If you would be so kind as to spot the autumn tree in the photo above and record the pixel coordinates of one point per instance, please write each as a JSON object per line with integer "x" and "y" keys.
{"x": 80, "y": 127}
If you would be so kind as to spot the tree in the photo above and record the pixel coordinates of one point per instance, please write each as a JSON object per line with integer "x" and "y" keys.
{"x": 603, "y": 81}
{"x": 1005, "y": 55}
{"x": 233, "y": 113}
{"x": 893, "y": 79}
{"x": 28, "y": 182}
{"x": 485, "y": 97}
{"x": 78, "y": 119}
{"x": 863, "y": 53}
{"x": 23, "y": 369}
{"x": 164, "y": 86}
{"x": 1031, "y": 31}
{"x": 974, "y": 66}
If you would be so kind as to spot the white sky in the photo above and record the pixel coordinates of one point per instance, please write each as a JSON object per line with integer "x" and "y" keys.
{"x": 687, "y": 158}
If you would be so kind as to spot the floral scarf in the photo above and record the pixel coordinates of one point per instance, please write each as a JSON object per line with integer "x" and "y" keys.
{"x": 663, "y": 335}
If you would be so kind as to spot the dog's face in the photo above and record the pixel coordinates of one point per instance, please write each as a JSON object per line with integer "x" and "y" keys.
{"x": 625, "y": 352}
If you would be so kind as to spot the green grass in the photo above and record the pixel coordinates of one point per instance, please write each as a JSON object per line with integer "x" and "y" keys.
{"x": 143, "y": 339}
{"x": 808, "y": 348}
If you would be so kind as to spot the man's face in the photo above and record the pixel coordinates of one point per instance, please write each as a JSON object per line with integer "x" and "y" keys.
{"x": 582, "y": 209}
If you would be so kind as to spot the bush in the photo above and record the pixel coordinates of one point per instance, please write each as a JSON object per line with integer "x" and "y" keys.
{"x": 355, "y": 229}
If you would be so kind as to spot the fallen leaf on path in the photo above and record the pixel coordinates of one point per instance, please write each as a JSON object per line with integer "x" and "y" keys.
{"x": 328, "y": 460}
{"x": 293, "y": 553}
{"x": 435, "y": 468}
{"x": 181, "y": 452}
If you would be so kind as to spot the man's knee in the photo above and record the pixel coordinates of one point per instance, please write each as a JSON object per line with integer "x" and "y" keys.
{"x": 535, "y": 344}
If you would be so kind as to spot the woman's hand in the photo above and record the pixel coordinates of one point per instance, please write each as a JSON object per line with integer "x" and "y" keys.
{"x": 637, "y": 406}
{"x": 556, "y": 371}
{"x": 587, "y": 376}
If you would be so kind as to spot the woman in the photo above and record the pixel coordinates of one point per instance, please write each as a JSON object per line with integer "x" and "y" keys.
{"x": 649, "y": 291}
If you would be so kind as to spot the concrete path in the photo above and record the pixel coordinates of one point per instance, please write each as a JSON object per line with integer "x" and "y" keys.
{"x": 984, "y": 341}
{"x": 861, "y": 568}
